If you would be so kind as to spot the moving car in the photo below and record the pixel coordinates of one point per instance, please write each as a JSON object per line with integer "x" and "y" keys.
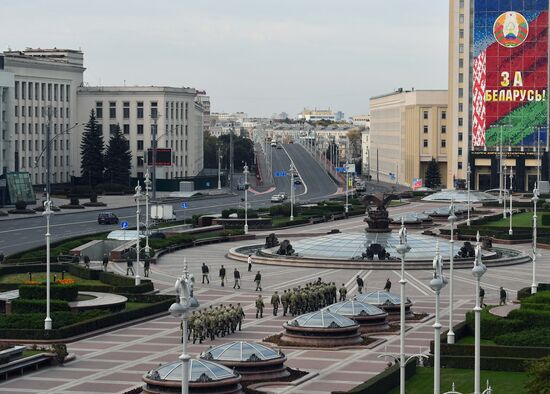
{"x": 277, "y": 198}
{"x": 297, "y": 181}
{"x": 279, "y": 146}
{"x": 273, "y": 144}
{"x": 107, "y": 218}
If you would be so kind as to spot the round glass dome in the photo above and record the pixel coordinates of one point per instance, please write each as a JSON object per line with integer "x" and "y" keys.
{"x": 460, "y": 196}
{"x": 199, "y": 371}
{"x": 411, "y": 217}
{"x": 241, "y": 351}
{"x": 354, "y": 308}
{"x": 380, "y": 298}
{"x": 321, "y": 319}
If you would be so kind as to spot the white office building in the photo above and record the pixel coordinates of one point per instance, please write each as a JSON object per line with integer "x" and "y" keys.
{"x": 136, "y": 109}
{"x": 6, "y": 120}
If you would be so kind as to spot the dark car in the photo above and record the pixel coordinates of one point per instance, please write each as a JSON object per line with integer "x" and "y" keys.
{"x": 107, "y": 218}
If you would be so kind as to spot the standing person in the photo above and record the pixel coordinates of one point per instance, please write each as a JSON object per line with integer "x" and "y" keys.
{"x": 343, "y": 292}
{"x": 222, "y": 275}
{"x": 240, "y": 315}
{"x": 481, "y": 297}
{"x": 502, "y": 296}
{"x": 87, "y": 261}
{"x": 275, "y": 301}
{"x": 129, "y": 265}
{"x": 237, "y": 277}
{"x": 146, "y": 266}
{"x": 249, "y": 260}
{"x": 387, "y": 287}
{"x": 360, "y": 284}
{"x": 259, "y": 306}
{"x": 258, "y": 281}
{"x": 105, "y": 262}
{"x": 205, "y": 271}
{"x": 284, "y": 301}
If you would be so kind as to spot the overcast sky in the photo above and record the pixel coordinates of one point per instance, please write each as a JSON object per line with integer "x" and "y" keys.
{"x": 256, "y": 56}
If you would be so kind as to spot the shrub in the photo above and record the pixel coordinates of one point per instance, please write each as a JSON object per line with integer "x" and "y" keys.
{"x": 20, "y": 305}
{"x": 20, "y": 205}
{"x": 539, "y": 381}
{"x": 93, "y": 198}
{"x": 60, "y": 350}
{"x": 530, "y": 317}
{"x": 491, "y": 325}
{"x": 57, "y": 292}
{"x": 545, "y": 220}
{"x": 535, "y": 337}
{"x": 83, "y": 272}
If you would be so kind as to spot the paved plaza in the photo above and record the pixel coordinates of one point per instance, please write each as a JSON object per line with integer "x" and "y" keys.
{"x": 114, "y": 362}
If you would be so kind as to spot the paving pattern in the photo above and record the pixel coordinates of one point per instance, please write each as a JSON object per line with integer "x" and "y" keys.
{"x": 114, "y": 362}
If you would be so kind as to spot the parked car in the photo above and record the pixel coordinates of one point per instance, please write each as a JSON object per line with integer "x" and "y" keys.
{"x": 107, "y": 218}
{"x": 276, "y": 198}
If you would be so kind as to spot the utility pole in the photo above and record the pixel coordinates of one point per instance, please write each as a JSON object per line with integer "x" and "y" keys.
{"x": 219, "y": 168}
{"x": 154, "y": 116}
{"x": 377, "y": 167}
{"x": 231, "y": 164}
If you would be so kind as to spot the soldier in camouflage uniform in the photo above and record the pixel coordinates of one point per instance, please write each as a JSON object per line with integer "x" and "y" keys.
{"x": 259, "y": 306}
{"x": 343, "y": 292}
{"x": 275, "y": 301}
{"x": 240, "y": 315}
{"x": 284, "y": 301}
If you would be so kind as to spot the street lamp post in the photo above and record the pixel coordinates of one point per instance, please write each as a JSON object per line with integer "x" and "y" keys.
{"x": 468, "y": 173}
{"x": 503, "y": 201}
{"x": 147, "y": 188}
{"x": 245, "y": 172}
{"x": 478, "y": 271}
{"x": 291, "y": 191}
{"x": 437, "y": 283}
{"x": 219, "y": 169}
{"x": 535, "y": 199}
{"x": 452, "y": 220}
{"x": 510, "y": 231}
{"x": 500, "y": 174}
{"x": 47, "y": 212}
{"x": 137, "y": 196}
{"x": 402, "y": 249}
{"x": 184, "y": 289}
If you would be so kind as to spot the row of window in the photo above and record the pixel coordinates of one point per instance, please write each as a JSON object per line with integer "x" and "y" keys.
{"x": 176, "y": 110}
{"x": 139, "y": 129}
{"x": 63, "y": 145}
{"x": 172, "y": 174}
{"x": 426, "y": 128}
{"x": 28, "y": 111}
{"x": 179, "y": 144}
{"x": 63, "y": 177}
{"x": 42, "y": 91}
{"x": 426, "y": 114}
{"x": 443, "y": 143}
{"x": 28, "y": 127}
{"x": 28, "y": 162}
{"x": 177, "y": 161}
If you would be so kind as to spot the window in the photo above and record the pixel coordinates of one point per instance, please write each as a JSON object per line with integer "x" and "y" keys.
{"x": 443, "y": 114}
{"x": 67, "y": 112}
{"x": 17, "y": 90}
{"x": 36, "y": 112}
{"x": 460, "y": 48}
{"x": 154, "y": 110}
{"x": 460, "y": 92}
{"x": 23, "y": 128}
{"x": 460, "y": 121}
{"x": 30, "y": 90}
{"x": 443, "y": 143}
{"x": 425, "y": 128}
{"x": 139, "y": 144}
{"x": 460, "y": 151}
{"x": 43, "y": 92}
{"x": 460, "y": 165}
{"x": 29, "y": 111}
{"x": 172, "y": 110}
{"x": 16, "y": 110}
{"x": 36, "y": 91}
{"x": 30, "y": 162}
{"x": 461, "y": 33}
{"x": 112, "y": 110}
{"x": 126, "y": 128}
{"x": 186, "y": 113}
{"x": 425, "y": 115}
{"x": 99, "y": 110}
{"x": 460, "y": 78}
{"x": 443, "y": 129}
{"x": 17, "y": 128}
{"x": 126, "y": 110}
{"x": 55, "y": 112}
{"x": 68, "y": 92}
{"x": 30, "y": 145}
{"x": 23, "y": 145}
{"x": 61, "y": 95}
{"x": 461, "y": 18}
{"x": 112, "y": 128}
{"x": 140, "y": 161}
{"x": 460, "y": 136}
{"x": 100, "y": 128}
{"x": 140, "y": 110}
{"x": 23, "y": 90}
{"x": 460, "y": 107}
{"x": 461, "y": 4}
{"x": 460, "y": 63}
{"x": 140, "y": 129}
{"x": 425, "y": 143}
{"x": 55, "y": 87}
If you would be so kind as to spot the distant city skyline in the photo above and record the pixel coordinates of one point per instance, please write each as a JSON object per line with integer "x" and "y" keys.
{"x": 257, "y": 57}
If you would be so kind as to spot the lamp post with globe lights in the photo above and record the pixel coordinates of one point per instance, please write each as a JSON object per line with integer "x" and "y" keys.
{"x": 535, "y": 199}
{"x": 504, "y": 196}
{"x": 137, "y": 197}
{"x": 187, "y": 302}
{"x": 478, "y": 271}
{"x": 510, "y": 231}
{"x": 437, "y": 283}
{"x": 245, "y": 172}
{"x": 452, "y": 220}
{"x": 147, "y": 183}
{"x": 403, "y": 248}
{"x": 468, "y": 173}
{"x": 48, "y": 212}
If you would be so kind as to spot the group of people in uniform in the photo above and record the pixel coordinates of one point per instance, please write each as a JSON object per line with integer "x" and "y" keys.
{"x": 213, "y": 322}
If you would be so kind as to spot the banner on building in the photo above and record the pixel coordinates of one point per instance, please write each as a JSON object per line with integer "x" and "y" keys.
{"x": 510, "y": 72}
{"x": 417, "y": 183}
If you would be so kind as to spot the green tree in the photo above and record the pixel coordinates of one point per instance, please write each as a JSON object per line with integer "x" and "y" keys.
{"x": 243, "y": 151}
{"x": 539, "y": 373}
{"x": 118, "y": 159}
{"x": 210, "y": 151}
{"x": 91, "y": 152}
{"x": 354, "y": 138}
{"x": 433, "y": 177}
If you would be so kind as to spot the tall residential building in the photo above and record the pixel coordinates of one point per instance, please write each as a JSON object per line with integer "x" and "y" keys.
{"x": 407, "y": 130}
{"x": 498, "y": 87}
{"x": 6, "y": 120}
{"x": 136, "y": 109}
{"x": 45, "y": 82}
{"x": 204, "y": 101}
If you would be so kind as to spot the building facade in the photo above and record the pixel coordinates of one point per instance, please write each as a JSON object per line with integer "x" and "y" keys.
{"x": 7, "y": 144}
{"x": 314, "y": 115}
{"x": 204, "y": 101}
{"x": 45, "y": 83}
{"x": 138, "y": 110}
{"x": 407, "y": 130}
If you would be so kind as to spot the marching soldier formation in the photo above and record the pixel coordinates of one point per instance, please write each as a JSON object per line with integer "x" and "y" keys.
{"x": 310, "y": 298}
{"x": 214, "y": 322}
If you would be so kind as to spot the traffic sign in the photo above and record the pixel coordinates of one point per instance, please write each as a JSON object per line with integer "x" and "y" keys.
{"x": 124, "y": 225}
{"x": 280, "y": 173}
{"x": 340, "y": 169}
{"x": 184, "y": 204}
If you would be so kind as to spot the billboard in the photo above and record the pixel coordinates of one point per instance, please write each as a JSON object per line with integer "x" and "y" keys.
{"x": 510, "y": 72}
{"x": 164, "y": 157}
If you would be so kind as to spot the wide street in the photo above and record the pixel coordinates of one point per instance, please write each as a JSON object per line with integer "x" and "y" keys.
{"x": 115, "y": 361}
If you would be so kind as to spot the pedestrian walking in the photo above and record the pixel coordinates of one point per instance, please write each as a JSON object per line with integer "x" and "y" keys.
{"x": 222, "y": 275}
{"x": 205, "y": 271}
{"x": 258, "y": 281}
{"x": 146, "y": 266}
{"x": 285, "y": 301}
{"x": 237, "y": 277}
{"x": 240, "y": 315}
{"x": 275, "y": 301}
{"x": 105, "y": 262}
{"x": 87, "y": 261}
{"x": 502, "y": 296}
{"x": 259, "y": 306}
{"x": 360, "y": 284}
{"x": 249, "y": 262}
{"x": 343, "y": 292}
{"x": 129, "y": 265}
{"x": 387, "y": 287}
{"x": 481, "y": 297}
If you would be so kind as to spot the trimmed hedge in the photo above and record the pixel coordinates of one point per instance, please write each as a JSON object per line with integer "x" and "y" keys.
{"x": 535, "y": 337}
{"x": 545, "y": 220}
{"x": 34, "y": 322}
{"x": 384, "y": 382}
{"x": 492, "y": 326}
{"x": 530, "y": 317}
{"x": 38, "y": 306}
{"x": 526, "y": 291}
{"x": 512, "y": 364}
{"x": 57, "y": 292}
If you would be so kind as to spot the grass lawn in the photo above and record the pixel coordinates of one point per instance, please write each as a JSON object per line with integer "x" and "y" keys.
{"x": 524, "y": 219}
{"x": 501, "y": 382}
{"x": 471, "y": 339}
{"x": 41, "y": 277}
{"x": 135, "y": 305}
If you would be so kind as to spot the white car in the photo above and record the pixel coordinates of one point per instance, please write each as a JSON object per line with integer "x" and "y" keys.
{"x": 277, "y": 198}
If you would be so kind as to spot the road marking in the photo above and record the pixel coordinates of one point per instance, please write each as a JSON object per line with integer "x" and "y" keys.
{"x": 296, "y": 168}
